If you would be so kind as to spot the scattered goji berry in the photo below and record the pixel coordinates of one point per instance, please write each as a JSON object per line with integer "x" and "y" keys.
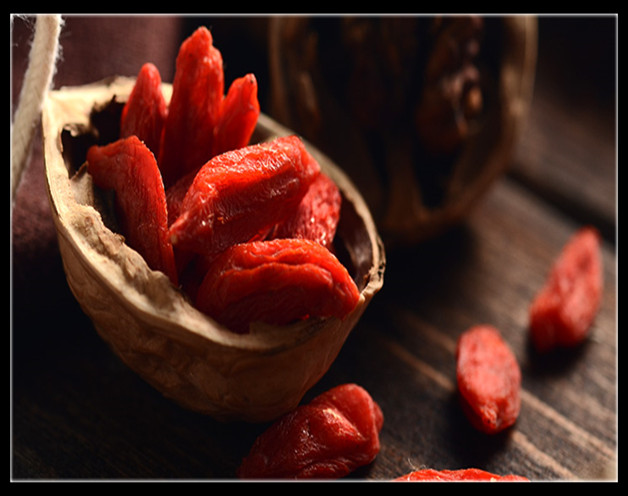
{"x": 239, "y": 112}
{"x": 337, "y": 432}
{"x": 146, "y": 109}
{"x": 194, "y": 109}
{"x": 129, "y": 168}
{"x": 317, "y": 215}
{"x": 240, "y": 195}
{"x": 489, "y": 379}
{"x": 276, "y": 282}
{"x": 460, "y": 475}
{"x": 564, "y": 309}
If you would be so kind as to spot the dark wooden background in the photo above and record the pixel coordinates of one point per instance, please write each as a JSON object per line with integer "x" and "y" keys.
{"x": 77, "y": 413}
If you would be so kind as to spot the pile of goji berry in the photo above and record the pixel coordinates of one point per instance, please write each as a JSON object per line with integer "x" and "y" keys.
{"x": 246, "y": 230}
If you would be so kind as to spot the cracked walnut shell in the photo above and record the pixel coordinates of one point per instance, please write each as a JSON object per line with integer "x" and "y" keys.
{"x": 147, "y": 321}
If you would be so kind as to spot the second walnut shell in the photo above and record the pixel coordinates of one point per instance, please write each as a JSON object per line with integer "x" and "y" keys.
{"x": 423, "y": 113}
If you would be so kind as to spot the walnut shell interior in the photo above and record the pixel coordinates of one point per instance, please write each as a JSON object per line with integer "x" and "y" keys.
{"x": 147, "y": 321}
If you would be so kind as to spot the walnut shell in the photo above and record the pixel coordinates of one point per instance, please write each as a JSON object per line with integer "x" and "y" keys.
{"x": 350, "y": 86}
{"x": 147, "y": 321}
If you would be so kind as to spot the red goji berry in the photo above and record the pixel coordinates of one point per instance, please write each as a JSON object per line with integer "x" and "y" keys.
{"x": 489, "y": 379}
{"x": 337, "y": 432}
{"x": 240, "y": 195}
{"x": 317, "y": 215}
{"x": 239, "y": 112}
{"x": 460, "y": 475}
{"x": 194, "y": 109}
{"x": 146, "y": 109}
{"x": 276, "y": 282}
{"x": 564, "y": 309}
{"x": 129, "y": 167}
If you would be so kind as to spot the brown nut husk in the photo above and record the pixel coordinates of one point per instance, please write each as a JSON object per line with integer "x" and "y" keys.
{"x": 422, "y": 112}
{"x": 147, "y": 321}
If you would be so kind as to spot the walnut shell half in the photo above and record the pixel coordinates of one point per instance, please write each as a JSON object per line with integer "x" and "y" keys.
{"x": 147, "y": 321}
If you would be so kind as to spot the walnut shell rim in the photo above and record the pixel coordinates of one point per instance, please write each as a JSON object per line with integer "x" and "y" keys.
{"x": 150, "y": 325}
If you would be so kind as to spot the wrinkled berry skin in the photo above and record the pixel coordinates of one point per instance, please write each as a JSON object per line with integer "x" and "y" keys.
{"x": 277, "y": 282}
{"x": 194, "y": 109}
{"x": 240, "y": 195}
{"x": 337, "y": 432}
{"x": 239, "y": 111}
{"x": 145, "y": 111}
{"x": 563, "y": 311}
{"x": 128, "y": 167}
{"x": 317, "y": 215}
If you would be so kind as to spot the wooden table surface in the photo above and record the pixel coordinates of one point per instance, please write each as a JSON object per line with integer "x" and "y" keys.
{"x": 79, "y": 414}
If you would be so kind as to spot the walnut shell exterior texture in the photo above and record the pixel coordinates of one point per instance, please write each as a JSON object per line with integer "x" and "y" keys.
{"x": 422, "y": 112}
{"x": 149, "y": 323}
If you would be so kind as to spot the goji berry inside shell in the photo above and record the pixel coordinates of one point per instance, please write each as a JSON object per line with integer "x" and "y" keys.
{"x": 317, "y": 215}
{"x": 194, "y": 108}
{"x": 129, "y": 168}
{"x": 276, "y": 282}
{"x": 240, "y": 195}
{"x": 146, "y": 109}
{"x": 239, "y": 112}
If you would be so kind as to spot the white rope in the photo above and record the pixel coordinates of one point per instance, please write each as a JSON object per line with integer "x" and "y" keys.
{"x": 37, "y": 80}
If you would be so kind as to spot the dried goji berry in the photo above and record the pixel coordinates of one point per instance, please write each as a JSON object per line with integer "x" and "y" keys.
{"x": 317, "y": 215}
{"x": 460, "y": 475}
{"x": 240, "y": 195}
{"x": 194, "y": 109}
{"x": 239, "y": 112}
{"x": 146, "y": 109}
{"x": 489, "y": 379}
{"x": 129, "y": 168}
{"x": 337, "y": 432}
{"x": 276, "y": 282}
{"x": 564, "y": 309}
